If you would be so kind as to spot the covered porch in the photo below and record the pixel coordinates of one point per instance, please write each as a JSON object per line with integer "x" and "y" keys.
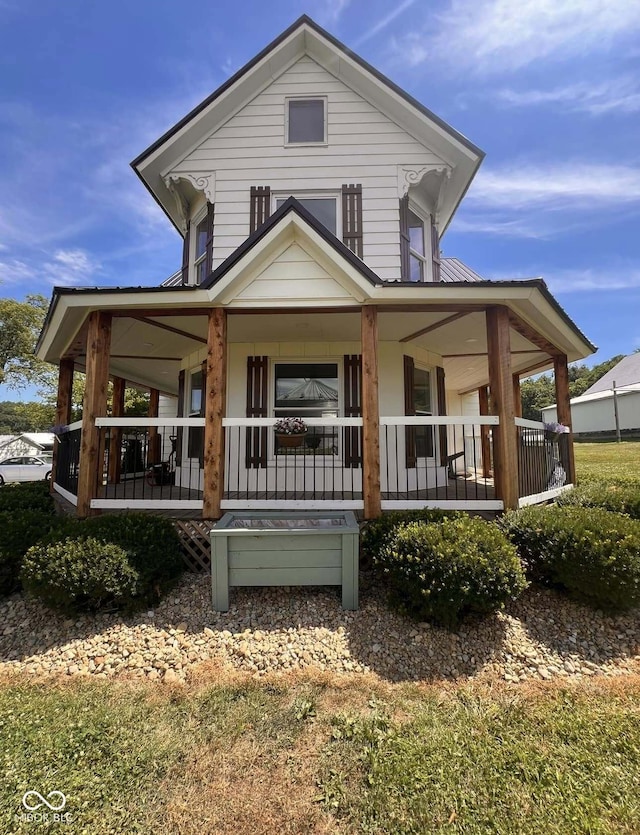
{"x": 488, "y": 460}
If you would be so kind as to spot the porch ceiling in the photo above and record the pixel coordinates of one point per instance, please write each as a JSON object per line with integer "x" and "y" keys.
{"x": 149, "y": 351}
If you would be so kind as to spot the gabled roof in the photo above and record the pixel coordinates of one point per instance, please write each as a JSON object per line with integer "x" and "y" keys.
{"x": 625, "y": 373}
{"x": 291, "y": 205}
{"x": 305, "y": 37}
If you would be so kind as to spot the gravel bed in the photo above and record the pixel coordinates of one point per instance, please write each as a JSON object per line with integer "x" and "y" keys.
{"x": 541, "y": 636}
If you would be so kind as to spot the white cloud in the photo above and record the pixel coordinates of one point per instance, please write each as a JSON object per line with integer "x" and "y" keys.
{"x": 571, "y": 185}
{"x": 382, "y": 24}
{"x": 70, "y": 268}
{"x": 331, "y": 11}
{"x": 621, "y": 95}
{"x": 577, "y": 281}
{"x": 15, "y": 271}
{"x": 501, "y": 227}
{"x": 505, "y": 35}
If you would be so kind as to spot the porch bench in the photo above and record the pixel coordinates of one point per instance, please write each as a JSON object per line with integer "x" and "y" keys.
{"x": 304, "y": 548}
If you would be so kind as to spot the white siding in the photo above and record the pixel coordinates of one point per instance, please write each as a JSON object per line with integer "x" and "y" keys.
{"x": 598, "y": 415}
{"x": 364, "y": 146}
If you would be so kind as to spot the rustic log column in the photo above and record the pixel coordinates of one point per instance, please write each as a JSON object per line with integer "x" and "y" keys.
{"x": 95, "y": 405}
{"x": 563, "y": 407}
{"x": 485, "y": 444}
{"x": 517, "y": 397}
{"x": 154, "y": 452}
{"x": 505, "y": 446}
{"x": 115, "y": 442}
{"x": 215, "y": 407}
{"x": 370, "y": 414}
{"x": 63, "y": 406}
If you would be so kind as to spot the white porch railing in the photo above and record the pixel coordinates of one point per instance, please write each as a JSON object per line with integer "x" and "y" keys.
{"x": 425, "y": 461}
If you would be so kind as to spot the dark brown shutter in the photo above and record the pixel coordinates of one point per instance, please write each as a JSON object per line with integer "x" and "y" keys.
{"x": 185, "y": 255}
{"x": 260, "y": 206}
{"x": 257, "y": 393}
{"x": 211, "y": 211}
{"x": 352, "y": 218}
{"x": 442, "y": 410}
{"x": 353, "y": 408}
{"x": 180, "y": 413}
{"x": 409, "y": 410}
{"x": 435, "y": 250}
{"x": 405, "y": 266}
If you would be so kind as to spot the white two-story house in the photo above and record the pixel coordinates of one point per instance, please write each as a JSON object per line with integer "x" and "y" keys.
{"x": 312, "y": 195}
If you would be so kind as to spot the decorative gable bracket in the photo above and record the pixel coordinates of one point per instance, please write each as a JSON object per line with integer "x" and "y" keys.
{"x": 205, "y": 183}
{"x": 412, "y": 175}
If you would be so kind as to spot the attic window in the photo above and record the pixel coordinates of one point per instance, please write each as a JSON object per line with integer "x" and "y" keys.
{"x": 306, "y": 121}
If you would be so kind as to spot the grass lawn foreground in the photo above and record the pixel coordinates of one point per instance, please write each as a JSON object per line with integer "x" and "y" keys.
{"x": 328, "y": 754}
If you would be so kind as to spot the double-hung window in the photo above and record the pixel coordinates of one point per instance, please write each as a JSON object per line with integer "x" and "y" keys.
{"x": 423, "y": 407}
{"x": 307, "y": 390}
{"x": 200, "y": 254}
{"x": 196, "y": 433}
{"x": 417, "y": 257}
{"x": 306, "y": 121}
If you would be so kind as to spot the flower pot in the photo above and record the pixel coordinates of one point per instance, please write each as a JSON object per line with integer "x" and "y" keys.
{"x": 290, "y": 441}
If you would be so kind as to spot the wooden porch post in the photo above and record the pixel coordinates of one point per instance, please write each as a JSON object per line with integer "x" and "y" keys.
{"x": 485, "y": 446}
{"x": 505, "y": 447}
{"x": 215, "y": 407}
{"x": 370, "y": 414}
{"x": 115, "y": 442}
{"x": 517, "y": 398}
{"x": 95, "y": 405}
{"x": 63, "y": 406}
{"x": 563, "y": 406}
{"x": 154, "y": 453}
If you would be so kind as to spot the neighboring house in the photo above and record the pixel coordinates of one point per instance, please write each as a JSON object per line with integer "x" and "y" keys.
{"x": 594, "y": 412}
{"x": 28, "y": 443}
{"x": 311, "y": 194}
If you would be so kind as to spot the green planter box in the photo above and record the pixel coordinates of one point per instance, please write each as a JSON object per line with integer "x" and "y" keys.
{"x": 276, "y": 548}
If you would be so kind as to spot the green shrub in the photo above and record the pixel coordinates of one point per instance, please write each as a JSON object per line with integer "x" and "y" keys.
{"x": 441, "y": 571}
{"x": 79, "y": 574}
{"x": 30, "y": 495}
{"x": 152, "y": 546}
{"x": 619, "y": 497}
{"x": 590, "y": 552}
{"x": 375, "y": 534}
{"x": 19, "y": 530}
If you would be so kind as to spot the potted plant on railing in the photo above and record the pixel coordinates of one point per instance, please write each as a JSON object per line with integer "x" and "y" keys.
{"x": 552, "y": 431}
{"x": 290, "y": 432}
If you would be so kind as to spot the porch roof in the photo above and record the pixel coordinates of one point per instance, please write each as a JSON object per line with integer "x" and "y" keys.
{"x": 156, "y": 328}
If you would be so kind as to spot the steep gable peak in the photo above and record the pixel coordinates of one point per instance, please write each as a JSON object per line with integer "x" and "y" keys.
{"x": 305, "y": 38}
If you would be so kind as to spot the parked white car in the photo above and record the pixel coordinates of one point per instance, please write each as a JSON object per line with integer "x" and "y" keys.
{"x": 24, "y": 468}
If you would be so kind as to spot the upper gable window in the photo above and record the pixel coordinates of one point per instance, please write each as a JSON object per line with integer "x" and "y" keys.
{"x": 306, "y": 121}
{"x": 200, "y": 256}
{"x": 323, "y": 207}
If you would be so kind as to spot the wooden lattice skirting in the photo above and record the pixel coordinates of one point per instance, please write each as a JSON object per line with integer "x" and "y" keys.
{"x": 195, "y": 538}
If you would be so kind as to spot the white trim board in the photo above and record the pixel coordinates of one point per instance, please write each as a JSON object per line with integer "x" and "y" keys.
{"x": 147, "y": 504}
{"x": 66, "y": 494}
{"x": 545, "y": 496}
{"x": 446, "y": 504}
{"x": 292, "y": 504}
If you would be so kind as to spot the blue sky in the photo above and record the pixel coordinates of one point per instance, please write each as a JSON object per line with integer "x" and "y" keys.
{"x": 549, "y": 89}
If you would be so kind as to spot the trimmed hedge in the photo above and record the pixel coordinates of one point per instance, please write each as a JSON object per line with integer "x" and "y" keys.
{"x": 19, "y": 530}
{"x": 440, "y": 572}
{"x": 376, "y": 533}
{"x": 80, "y": 574}
{"x": 621, "y": 497}
{"x": 152, "y": 545}
{"x": 30, "y": 495}
{"x": 592, "y": 553}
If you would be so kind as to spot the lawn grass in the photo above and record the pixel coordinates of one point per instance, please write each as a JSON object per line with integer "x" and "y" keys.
{"x": 322, "y": 758}
{"x": 608, "y": 462}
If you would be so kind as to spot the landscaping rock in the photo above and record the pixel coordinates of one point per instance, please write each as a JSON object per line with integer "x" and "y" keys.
{"x": 541, "y": 636}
